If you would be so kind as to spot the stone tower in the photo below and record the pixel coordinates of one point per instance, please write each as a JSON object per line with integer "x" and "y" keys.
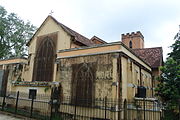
{"x": 133, "y": 40}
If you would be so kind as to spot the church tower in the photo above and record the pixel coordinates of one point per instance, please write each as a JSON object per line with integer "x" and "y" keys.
{"x": 133, "y": 40}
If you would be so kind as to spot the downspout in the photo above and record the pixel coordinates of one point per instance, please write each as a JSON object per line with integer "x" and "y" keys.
{"x": 140, "y": 76}
{"x": 152, "y": 82}
{"x": 119, "y": 70}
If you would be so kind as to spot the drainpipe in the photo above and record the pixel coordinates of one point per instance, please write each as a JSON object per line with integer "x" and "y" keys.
{"x": 140, "y": 76}
{"x": 119, "y": 70}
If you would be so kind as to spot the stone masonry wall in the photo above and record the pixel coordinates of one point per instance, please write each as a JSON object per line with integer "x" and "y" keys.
{"x": 103, "y": 75}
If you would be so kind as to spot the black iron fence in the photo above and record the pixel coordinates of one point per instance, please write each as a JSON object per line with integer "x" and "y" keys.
{"x": 21, "y": 103}
{"x": 45, "y": 107}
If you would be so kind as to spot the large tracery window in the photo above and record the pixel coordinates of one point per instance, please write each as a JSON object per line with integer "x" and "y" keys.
{"x": 44, "y": 61}
{"x": 83, "y": 84}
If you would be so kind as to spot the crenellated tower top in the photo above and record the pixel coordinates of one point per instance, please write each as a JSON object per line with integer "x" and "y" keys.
{"x": 133, "y": 40}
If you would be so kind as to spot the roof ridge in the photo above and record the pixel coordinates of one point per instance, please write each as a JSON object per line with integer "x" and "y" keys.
{"x": 98, "y": 39}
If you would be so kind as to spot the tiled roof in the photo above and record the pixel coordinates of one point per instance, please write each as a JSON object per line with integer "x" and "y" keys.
{"x": 78, "y": 37}
{"x": 98, "y": 39}
{"x": 153, "y": 56}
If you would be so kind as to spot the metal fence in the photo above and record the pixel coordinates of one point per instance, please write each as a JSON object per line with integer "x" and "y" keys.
{"x": 46, "y": 108}
{"x": 20, "y": 103}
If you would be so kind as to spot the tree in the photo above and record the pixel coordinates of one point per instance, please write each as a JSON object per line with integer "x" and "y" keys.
{"x": 14, "y": 34}
{"x": 169, "y": 87}
{"x": 175, "y": 54}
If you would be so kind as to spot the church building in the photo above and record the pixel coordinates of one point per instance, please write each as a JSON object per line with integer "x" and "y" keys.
{"x": 83, "y": 68}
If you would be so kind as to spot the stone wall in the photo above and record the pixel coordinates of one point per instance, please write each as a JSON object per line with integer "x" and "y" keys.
{"x": 103, "y": 73}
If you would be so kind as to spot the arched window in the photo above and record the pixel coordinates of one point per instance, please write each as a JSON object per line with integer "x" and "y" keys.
{"x": 130, "y": 44}
{"x": 83, "y": 85}
{"x": 44, "y": 61}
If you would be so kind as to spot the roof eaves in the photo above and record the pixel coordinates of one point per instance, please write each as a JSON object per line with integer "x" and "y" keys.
{"x": 28, "y": 43}
{"x": 14, "y": 58}
{"x": 135, "y": 54}
{"x": 71, "y": 32}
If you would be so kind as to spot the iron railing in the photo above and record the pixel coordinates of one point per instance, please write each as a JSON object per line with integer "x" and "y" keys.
{"x": 46, "y": 108}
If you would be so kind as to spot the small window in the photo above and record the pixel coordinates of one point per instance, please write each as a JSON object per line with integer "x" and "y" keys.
{"x": 130, "y": 44}
{"x": 32, "y": 93}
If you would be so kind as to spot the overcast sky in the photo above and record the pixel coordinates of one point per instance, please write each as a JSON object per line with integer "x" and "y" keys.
{"x": 158, "y": 20}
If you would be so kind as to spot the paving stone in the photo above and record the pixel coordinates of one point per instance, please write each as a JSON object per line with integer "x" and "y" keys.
{"x": 8, "y": 117}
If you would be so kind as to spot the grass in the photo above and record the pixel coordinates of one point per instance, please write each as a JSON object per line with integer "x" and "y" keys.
{"x": 26, "y": 113}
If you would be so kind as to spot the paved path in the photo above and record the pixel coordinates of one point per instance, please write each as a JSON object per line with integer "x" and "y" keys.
{"x": 8, "y": 117}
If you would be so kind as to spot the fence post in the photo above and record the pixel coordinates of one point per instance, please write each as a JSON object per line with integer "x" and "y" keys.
{"x": 75, "y": 108}
{"x": 105, "y": 103}
{"x": 153, "y": 110}
{"x": 4, "y": 98}
{"x": 51, "y": 103}
{"x": 17, "y": 98}
{"x": 59, "y": 105}
{"x": 137, "y": 116}
{"x": 179, "y": 109}
{"x": 144, "y": 108}
{"x": 161, "y": 115}
{"x": 125, "y": 109}
{"x": 32, "y": 101}
{"x": 119, "y": 109}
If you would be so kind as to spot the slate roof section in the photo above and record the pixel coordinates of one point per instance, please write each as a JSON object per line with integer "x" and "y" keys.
{"x": 153, "y": 56}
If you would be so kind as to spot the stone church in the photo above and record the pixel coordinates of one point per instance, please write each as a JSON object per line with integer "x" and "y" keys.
{"x": 83, "y": 68}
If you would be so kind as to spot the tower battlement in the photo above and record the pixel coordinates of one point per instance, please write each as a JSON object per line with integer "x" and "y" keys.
{"x": 133, "y": 40}
{"x": 132, "y": 34}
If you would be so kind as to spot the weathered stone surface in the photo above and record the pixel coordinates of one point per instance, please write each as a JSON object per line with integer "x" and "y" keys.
{"x": 103, "y": 75}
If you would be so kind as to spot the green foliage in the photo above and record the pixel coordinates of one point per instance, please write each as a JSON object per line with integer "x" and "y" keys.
{"x": 175, "y": 54}
{"x": 169, "y": 87}
{"x": 46, "y": 89}
{"x": 170, "y": 115}
{"x": 14, "y": 34}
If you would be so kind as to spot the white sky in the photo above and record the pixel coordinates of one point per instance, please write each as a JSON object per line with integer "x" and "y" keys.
{"x": 158, "y": 20}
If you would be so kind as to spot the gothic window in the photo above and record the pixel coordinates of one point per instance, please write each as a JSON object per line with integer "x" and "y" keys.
{"x": 83, "y": 85}
{"x": 44, "y": 61}
{"x": 130, "y": 44}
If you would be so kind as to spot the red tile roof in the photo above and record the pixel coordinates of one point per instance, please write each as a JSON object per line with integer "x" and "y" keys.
{"x": 153, "y": 56}
{"x": 78, "y": 37}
